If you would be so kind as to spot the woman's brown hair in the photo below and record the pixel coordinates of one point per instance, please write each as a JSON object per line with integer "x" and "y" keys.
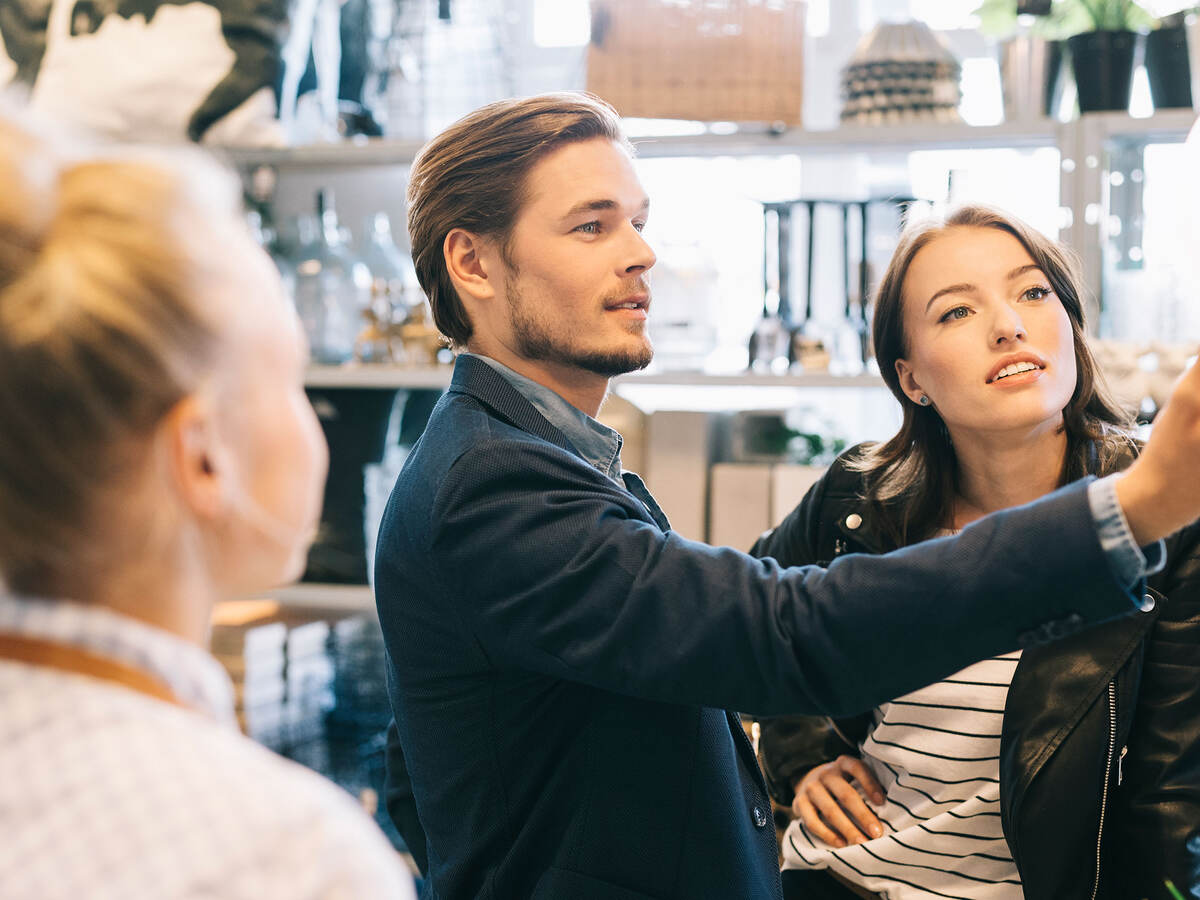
{"x": 913, "y": 477}
{"x": 473, "y": 174}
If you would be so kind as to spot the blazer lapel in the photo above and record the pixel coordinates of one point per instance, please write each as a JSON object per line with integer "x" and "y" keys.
{"x": 637, "y": 487}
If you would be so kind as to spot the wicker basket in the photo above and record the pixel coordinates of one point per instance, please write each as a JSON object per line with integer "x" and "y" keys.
{"x": 715, "y": 60}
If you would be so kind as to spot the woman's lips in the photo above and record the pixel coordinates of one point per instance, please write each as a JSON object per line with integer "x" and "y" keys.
{"x": 1019, "y": 379}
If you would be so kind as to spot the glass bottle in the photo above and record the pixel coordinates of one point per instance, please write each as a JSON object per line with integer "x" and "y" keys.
{"x": 769, "y": 344}
{"x": 333, "y": 287}
{"x": 393, "y": 282}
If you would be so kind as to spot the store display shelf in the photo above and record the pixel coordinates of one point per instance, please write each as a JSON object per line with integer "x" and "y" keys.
{"x": 751, "y": 379}
{"x": 903, "y": 137}
{"x": 855, "y": 139}
{"x": 353, "y": 375}
{"x": 383, "y": 376}
{"x": 342, "y": 154}
{"x": 1169, "y": 124}
{"x": 346, "y": 598}
{"x": 761, "y": 142}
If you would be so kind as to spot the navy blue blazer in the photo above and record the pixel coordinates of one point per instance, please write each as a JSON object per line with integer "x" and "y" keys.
{"x": 560, "y": 663}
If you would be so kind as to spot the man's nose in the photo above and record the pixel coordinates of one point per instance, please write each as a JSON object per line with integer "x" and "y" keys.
{"x": 640, "y": 255}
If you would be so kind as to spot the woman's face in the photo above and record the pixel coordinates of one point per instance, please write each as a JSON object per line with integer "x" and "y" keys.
{"x": 275, "y": 453}
{"x": 988, "y": 340}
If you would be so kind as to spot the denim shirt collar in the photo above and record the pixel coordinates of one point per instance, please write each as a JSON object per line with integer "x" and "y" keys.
{"x": 599, "y": 445}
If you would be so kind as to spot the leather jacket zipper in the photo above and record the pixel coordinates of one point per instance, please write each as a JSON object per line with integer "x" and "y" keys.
{"x": 1112, "y": 747}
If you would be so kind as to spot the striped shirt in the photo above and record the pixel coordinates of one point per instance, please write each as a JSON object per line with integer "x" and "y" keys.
{"x": 936, "y": 753}
{"x": 110, "y": 793}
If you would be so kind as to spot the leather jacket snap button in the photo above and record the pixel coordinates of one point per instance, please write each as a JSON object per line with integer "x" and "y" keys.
{"x": 853, "y": 521}
{"x": 1147, "y": 603}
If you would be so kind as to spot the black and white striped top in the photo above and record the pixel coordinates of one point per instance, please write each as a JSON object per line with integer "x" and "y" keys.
{"x": 936, "y": 752}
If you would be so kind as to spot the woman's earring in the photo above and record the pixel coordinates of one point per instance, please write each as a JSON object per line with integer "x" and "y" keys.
{"x": 924, "y": 401}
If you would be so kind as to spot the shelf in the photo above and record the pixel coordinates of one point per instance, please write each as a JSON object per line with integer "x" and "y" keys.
{"x": 860, "y": 139}
{"x": 899, "y": 138}
{"x": 1168, "y": 124}
{"x": 750, "y": 379}
{"x": 354, "y": 375}
{"x": 356, "y": 152}
{"x": 397, "y": 377}
{"x": 343, "y": 598}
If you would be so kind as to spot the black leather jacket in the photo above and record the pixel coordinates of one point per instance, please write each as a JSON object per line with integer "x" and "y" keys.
{"x": 1100, "y": 747}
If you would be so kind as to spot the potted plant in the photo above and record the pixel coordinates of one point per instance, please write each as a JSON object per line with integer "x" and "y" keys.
{"x": 1031, "y": 55}
{"x": 1104, "y": 36}
{"x": 1167, "y": 64}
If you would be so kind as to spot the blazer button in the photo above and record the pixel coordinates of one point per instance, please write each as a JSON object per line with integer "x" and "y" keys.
{"x": 853, "y": 521}
{"x": 1147, "y": 604}
{"x": 760, "y": 818}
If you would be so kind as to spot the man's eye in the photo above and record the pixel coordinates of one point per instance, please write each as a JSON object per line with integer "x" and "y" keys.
{"x": 959, "y": 312}
{"x": 639, "y": 225}
{"x": 589, "y": 228}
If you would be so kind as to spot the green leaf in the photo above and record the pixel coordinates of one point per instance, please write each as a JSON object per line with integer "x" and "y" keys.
{"x": 997, "y": 18}
{"x": 1078, "y": 16}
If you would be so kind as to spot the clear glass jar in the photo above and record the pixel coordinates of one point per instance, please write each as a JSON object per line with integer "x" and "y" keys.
{"x": 333, "y": 286}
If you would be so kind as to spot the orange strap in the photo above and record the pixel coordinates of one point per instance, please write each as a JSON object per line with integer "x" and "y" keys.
{"x": 80, "y": 662}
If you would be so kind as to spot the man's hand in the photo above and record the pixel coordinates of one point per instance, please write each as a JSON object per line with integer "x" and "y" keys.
{"x": 1160, "y": 492}
{"x": 831, "y": 807}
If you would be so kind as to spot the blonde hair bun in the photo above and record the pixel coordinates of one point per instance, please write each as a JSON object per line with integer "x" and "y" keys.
{"x": 104, "y": 327}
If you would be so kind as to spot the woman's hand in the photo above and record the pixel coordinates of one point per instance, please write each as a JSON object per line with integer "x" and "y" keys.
{"x": 831, "y": 807}
{"x": 1160, "y": 492}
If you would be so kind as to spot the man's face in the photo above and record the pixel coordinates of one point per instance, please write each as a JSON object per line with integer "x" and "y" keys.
{"x": 576, "y": 279}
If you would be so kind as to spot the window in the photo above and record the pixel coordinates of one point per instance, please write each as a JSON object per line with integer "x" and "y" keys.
{"x": 561, "y": 23}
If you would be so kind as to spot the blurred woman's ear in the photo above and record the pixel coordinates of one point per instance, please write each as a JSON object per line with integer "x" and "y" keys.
{"x": 195, "y": 461}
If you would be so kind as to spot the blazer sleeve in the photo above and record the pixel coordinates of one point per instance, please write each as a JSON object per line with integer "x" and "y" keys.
{"x": 558, "y": 571}
{"x": 1158, "y": 800}
{"x": 399, "y": 800}
{"x": 791, "y": 745}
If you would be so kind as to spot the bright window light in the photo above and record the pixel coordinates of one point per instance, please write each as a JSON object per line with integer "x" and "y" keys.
{"x": 1165, "y": 7}
{"x": 942, "y": 16}
{"x": 982, "y": 102}
{"x": 561, "y": 23}
{"x": 817, "y": 22}
{"x": 1141, "y": 104}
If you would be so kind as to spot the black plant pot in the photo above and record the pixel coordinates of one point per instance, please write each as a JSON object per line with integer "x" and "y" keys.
{"x": 1168, "y": 69}
{"x": 1103, "y": 65}
{"x": 1056, "y": 77}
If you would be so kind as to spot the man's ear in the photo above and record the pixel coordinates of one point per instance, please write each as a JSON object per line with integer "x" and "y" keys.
{"x": 908, "y": 382}
{"x": 195, "y": 461}
{"x": 469, "y": 263}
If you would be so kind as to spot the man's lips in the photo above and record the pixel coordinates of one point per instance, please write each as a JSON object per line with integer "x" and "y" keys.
{"x": 636, "y": 306}
{"x": 633, "y": 302}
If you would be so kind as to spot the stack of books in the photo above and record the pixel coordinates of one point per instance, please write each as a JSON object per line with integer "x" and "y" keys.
{"x": 249, "y": 639}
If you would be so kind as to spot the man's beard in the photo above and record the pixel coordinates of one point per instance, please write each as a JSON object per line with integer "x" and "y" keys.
{"x": 535, "y": 342}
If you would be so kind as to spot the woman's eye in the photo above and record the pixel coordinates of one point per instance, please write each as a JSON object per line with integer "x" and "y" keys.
{"x": 589, "y": 228}
{"x": 959, "y": 312}
{"x": 1037, "y": 293}
{"x": 639, "y": 225}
